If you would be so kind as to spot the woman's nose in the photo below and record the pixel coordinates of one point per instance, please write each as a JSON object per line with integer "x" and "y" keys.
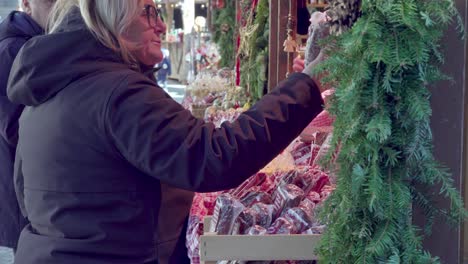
{"x": 160, "y": 26}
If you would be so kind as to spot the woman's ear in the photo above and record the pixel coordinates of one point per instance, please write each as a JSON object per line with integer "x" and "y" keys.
{"x": 27, "y": 7}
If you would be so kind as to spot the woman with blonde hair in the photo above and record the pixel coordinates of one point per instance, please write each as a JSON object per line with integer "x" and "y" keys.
{"x": 98, "y": 139}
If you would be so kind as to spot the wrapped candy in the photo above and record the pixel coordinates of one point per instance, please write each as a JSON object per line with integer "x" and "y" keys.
{"x": 269, "y": 185}
{"x": 246, "y": 219}
{"x": 315, "y": 229}
{"x": 246, "y": 187}
{"x": 301, "y": 153}
{"x": 264, "y": 214}
{"x": 256, "y": 197}
{"x": 299, "y": 219}
{"x": 256, "y": 230}
{"x": 226, "y": 211}
{"x": 288, "y": 178}
{"x": 287, "y": 196}
{"x": 314, "y": 197}
{"x": 326, "y": 191}
{"x": 319, "y": 182}
{"x": 281, "y": 226}
{"x": 309, "y": 207}
{"x": 326, "y": 145}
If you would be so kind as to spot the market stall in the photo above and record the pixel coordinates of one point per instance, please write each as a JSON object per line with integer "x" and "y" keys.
{"x": 285, "y": 195}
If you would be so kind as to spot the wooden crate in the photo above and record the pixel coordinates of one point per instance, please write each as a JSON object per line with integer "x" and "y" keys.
{"x": 215, "y": 247}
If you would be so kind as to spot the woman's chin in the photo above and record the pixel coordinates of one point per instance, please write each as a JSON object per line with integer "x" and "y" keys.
{"x": 151, "y": 61}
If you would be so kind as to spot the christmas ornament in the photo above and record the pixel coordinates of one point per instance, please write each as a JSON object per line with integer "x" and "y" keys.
{"x": 290, "y": 44}
{"x": 343, "y": 14}
{"x": 219, "y": 4}
{"x": 225, "y": 28}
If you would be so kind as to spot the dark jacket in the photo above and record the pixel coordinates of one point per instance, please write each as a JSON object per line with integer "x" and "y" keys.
{"x": 15, "y": 30}
{"x": 97, "y": 140}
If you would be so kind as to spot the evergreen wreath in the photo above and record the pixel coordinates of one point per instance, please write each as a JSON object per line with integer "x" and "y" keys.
{"x": 224, "y": 33}
{"x": 381, "y": 69}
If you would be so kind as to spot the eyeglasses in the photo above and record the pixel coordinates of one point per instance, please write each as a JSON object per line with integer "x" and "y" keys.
{"x": 152, "y": 13}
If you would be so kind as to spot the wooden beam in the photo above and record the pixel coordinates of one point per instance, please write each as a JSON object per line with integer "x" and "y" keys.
{"x": 279, "y": 62}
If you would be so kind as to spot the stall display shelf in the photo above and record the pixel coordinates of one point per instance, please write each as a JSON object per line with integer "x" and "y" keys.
{"x": 215, "y": 247}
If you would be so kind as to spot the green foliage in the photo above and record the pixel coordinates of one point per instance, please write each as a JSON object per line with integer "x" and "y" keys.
{"x": 225, "y": 39}
{"x": 254, "y": 58}
{"x": 381, "y": 68}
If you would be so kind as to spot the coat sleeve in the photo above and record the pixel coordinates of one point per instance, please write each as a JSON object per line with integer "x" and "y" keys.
{"x": 19, "y": 182}
{"x": 162, "y": 139}
{"x": 9, "y": 112}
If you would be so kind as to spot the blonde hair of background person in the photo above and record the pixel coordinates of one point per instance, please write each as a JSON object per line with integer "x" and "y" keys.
{"x": 107, "y": 21}
{"x": 37, "y": 9}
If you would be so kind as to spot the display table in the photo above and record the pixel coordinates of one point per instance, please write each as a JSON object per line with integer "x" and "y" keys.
{"x": 215, "y": 247}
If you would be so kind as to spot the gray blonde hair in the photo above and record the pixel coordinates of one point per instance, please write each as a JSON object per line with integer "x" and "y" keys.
{"x": 106, "y": 19}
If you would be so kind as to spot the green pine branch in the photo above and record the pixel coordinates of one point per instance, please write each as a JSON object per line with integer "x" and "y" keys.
{"x": 381, "y": 69}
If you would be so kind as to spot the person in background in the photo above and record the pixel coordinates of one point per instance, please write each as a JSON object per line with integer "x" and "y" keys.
{"x": 165, "y": 69}
{"x": 17, "y": 28}
{"x": 98, "y": 140}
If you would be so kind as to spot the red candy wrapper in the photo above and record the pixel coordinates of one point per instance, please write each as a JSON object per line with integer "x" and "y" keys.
{"x": 299, "y": 218}
{"x": 281, "y": 226}
{"x": 309, "y": 207}
{"x": 256, "y": 230}
{"x": 316, "y": 229}
{"x": 319, "y": 182}
{"x": 246, "y": 219}
{"x": 226, "y": 211}
{"x": 301, "y": 153}
{"x": 246, "y": 187}
{"x": 314, "y": 197}
{"x": 287, "y": 196}
{"x": 264, "y": 213}
{"x": 256, "y": 197}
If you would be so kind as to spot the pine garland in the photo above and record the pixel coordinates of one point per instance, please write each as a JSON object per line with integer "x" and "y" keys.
{"x": 381, "y": 68}
{"x": 224, "y": 21}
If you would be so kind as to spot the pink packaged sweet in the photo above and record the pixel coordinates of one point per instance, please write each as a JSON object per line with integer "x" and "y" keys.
{"x": 281, "y": 226}
{"x": 309, "y": 207}
{"x": 246, "y": 187}
{"x": 301, "y": 153}
{"x": 299, "y": 219}
{"x": 287, "y": 196}
{"x": 269, "y": 184}
{"x": 256, "y": 230}
{"x": 323, "y": 122}
{"x": 226, "y": 211}
{"x": 246, "y": 219}
{"x": 314, "y": 197}
{"x": 319, "y": 182}
{"x": 288, "y": 178}
{"x": 264, "y": 214}
{"x": 256, "y": 197}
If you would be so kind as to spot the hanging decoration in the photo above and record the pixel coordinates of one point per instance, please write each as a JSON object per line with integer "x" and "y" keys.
{"x": 224, "y": 33}
{"x": 218, "y": 4}
{"x": 290, "y": 44}
{"x": 381, "y": 69}
{"x": 342, "y": 14}
{"x": 253, "y": 48}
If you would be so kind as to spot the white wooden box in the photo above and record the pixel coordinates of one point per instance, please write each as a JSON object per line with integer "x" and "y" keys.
{"x": 215, "y": 247}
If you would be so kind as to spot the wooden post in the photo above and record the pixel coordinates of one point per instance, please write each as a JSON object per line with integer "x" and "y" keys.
{"x": 170, "y": 16}
{"x": 279, "y": 61}
{"x": 449, "y": 124}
